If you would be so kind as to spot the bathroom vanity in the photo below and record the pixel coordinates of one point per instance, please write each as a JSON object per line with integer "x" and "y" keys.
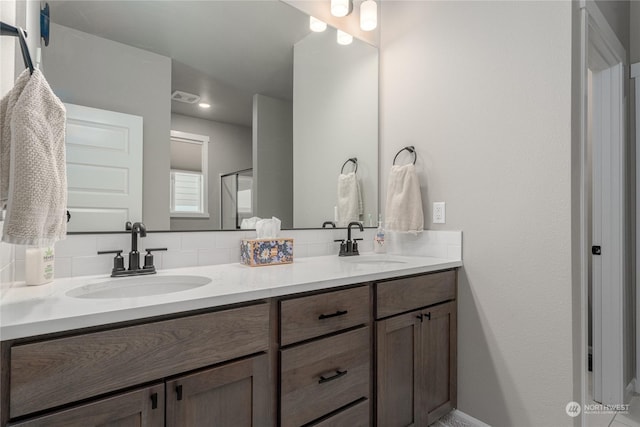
{"x": 323, "y": 342}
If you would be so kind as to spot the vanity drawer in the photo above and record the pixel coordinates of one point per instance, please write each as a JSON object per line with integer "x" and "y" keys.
{"x": 322, "y": 376}
{"x": 410, "y": 293}
{"x": 353, "y": 416}
{"x": 51, "y": 373}
{"x": 312, "y": 316}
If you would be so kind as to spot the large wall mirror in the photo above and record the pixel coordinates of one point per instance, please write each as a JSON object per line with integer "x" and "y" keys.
{"x": 286, "y": 108}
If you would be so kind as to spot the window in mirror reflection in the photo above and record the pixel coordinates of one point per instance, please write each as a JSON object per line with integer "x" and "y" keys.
{"x": 189, "y": 173}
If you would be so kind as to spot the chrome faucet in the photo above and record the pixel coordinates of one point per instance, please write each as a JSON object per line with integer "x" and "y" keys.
{"x": 137, "y": 228}
{"x": 350, "y": 247}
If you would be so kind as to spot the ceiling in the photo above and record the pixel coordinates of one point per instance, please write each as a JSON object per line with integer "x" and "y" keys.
{"x": 224, "y": 51}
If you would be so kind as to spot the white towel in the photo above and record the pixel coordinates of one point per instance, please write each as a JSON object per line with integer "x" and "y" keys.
{"x": 6, "y": 113}
{"x": 37, "y": 195}
{"x": 350, "y": 205}
{"x": 404, "y": 202}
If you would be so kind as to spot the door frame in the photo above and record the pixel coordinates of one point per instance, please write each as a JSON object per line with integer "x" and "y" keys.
{"x": 601, "y": 49}
{"x": 635, "y": 74}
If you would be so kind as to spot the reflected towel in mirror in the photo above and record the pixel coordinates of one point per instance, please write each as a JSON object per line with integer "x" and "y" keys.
{"x": 350, "y": 205}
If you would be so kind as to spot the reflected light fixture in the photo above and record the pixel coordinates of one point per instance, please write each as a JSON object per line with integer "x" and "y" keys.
{"x": 368, "y": 15}
{"x": 344, "y": 38}
{"x": 204, "y": 105}
{"x": 341, "y": 8}
{"x": 317, "y": 25}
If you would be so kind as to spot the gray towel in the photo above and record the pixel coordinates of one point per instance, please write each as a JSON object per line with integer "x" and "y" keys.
{"x": 37, "y": 190}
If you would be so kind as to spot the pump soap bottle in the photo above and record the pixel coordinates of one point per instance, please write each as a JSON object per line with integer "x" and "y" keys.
{"x": 379, "y": 245}
{"x": 39, "y": 263}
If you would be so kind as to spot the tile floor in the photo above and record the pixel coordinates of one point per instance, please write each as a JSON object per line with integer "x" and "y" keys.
{"x": 630, "y": 419}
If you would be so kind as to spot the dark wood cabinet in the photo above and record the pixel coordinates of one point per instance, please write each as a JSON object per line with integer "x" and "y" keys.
{"x": 235, "y": 394}
{"x": 416, "y": 370}
{"x": 139, "y": 408}
{"x": 325, "y": 358}
{"x": 380, "y": 354}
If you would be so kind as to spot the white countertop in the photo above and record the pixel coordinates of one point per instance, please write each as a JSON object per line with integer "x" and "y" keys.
{"x": 35, "y": 310}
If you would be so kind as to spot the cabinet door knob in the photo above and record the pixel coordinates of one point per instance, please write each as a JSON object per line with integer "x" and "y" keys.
{"x": 179, "y": 392}
{"x": 337, "y": 375}
{"x": 419, "y": 316}
{"x": 336, "y": 314}
{"x": 154, "y": 401}
{"x": 428, "y": 316}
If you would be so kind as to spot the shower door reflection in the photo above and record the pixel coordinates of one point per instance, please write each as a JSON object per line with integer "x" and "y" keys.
{"x": 236, "y": 198}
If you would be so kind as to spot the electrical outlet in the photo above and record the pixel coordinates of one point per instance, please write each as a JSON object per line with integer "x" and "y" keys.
{"x": 439, "y": 216}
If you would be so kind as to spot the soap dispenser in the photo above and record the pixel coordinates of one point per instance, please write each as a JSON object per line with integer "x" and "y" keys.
{"x": 379, "y": 245}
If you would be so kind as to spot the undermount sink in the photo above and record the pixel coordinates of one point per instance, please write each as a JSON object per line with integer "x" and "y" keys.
{"x": 373, "y": 259}
{"x": 140, "y": 286}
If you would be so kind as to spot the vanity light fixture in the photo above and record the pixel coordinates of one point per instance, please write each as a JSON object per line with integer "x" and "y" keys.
{"x": 368, "y": 15}
{"x": 344, "y": 38}
{"x": 204, "y": 105}
{"x": 341, "y": 8}
{"x": 316, "y": 25}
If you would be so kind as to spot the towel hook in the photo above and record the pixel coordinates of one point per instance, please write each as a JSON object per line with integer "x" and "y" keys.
{"x": 410, "y": 149}
{"x": 10, "y": 30}
{"x": 354, "y": 160}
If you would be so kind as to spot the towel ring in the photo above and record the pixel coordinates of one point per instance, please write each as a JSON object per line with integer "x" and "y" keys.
{"x": 354, "y": 160}
{"x": 410, "y": 149}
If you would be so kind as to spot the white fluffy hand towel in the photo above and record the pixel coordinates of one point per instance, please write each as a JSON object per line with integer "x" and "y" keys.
{"x": 350, "y": 205}
{"x": 404, "y": 202}
{"x": 6, "y": 113}
{"x": 37, "y": 198}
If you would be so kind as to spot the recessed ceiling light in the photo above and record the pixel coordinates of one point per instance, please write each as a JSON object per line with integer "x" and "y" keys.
{"x": 204, "y": 105}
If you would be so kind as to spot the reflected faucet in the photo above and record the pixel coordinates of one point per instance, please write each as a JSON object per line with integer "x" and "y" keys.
{"x": 134, "y": 256}
{"x": 331, "y": 223}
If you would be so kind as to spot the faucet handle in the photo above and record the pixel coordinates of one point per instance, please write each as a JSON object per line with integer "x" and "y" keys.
{"x": 148, "y": 258}
{"x": 118, "y": 260}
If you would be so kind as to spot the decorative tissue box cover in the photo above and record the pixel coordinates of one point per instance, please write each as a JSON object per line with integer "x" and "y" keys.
{"x": 259, "y": 252}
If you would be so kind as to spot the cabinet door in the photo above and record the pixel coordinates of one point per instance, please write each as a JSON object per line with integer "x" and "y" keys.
{"x": 234, "y": 394}
{"x": 398, "y": 355}
{"x": 140, "y": 408}
{"x": 439, "y": 373}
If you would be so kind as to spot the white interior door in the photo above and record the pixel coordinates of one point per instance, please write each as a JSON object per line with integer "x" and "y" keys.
{"x": 104, "y": 168}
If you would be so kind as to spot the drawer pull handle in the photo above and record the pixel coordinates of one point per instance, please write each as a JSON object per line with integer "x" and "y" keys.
{"x": 154, "y": 401}
{"x": 338, "y": 374}
{"x": 179, "y": 392}
{"x": 336, "y": 314}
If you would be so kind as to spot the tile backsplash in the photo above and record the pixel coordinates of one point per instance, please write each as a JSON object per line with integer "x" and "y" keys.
{"x": 77, "y": 255}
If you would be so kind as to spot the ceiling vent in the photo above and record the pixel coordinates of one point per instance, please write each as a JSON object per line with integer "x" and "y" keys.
{"x": 187, "y": 98}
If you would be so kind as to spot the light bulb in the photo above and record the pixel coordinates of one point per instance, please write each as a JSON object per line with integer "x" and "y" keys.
{"x": 317, "y": 25}
{"x": 368, "y": 15}
{"x": 340, "y": 8}
{"x": 204, "y": 105}
{"x": 344, "y": 38}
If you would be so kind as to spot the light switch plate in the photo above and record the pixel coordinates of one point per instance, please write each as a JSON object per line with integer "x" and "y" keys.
{"x": 439, "y": 216}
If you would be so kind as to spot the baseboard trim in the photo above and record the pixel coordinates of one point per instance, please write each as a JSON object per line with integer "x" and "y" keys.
{"x": 631, "y": 388}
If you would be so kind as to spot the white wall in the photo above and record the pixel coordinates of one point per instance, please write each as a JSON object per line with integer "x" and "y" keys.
{"x": 335, "y": 117}
{"x": 88, "y": 70}
{"x": 229, "y": 151}
{"x": 272, "y": 159}
{"x": 483, "y": 90}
